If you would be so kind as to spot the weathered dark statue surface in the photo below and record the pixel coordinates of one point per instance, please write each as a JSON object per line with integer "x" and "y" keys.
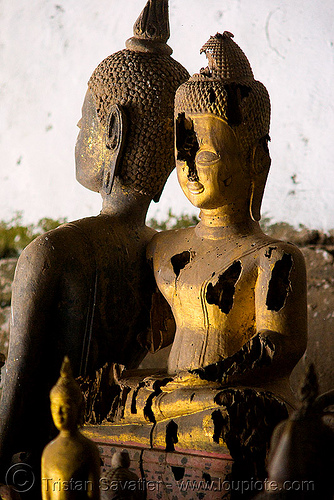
{"x": 84, "y": 289}
{"x": 301, "y": 462}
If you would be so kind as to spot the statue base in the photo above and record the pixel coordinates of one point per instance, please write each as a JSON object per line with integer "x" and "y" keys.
{"x": 201, "y": 454}
{"x": 169, "y": 475}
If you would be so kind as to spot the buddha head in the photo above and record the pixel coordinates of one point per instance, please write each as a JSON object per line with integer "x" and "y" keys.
{"x": 222, "y": 127}
{"x": 126, "y": 130}
{"x": 67, "y": 401}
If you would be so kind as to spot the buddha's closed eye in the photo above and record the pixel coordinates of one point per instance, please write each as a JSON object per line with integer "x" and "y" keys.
{"x": 206, "y": 157}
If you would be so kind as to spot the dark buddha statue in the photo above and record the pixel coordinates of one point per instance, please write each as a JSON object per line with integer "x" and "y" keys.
{"x": 84, "y": 289}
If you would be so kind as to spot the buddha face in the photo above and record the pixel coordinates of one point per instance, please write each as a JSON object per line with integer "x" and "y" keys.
{"x": 64, "y": 413}
{"x": 89, "y": 149}
{"x": 210, "y": 168}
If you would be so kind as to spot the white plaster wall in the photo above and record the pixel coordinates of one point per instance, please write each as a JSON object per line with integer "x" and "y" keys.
{"x": 48, "y": 49}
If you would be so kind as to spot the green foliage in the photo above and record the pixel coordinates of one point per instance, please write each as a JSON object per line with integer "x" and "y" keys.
{"x": 173, "y": 221}
{"x": 279, "y": 230}
{"x": 15, "y": 236}
{"x": 265, "y": 223}
{"x": 46, "y": 224}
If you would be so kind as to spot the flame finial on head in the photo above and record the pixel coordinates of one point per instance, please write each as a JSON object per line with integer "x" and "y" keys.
{"x": 66, "y": 386}
{"x": 227, "y": 89}
{"x": 66, "y": 370}
{"x": 226, "y": 60}
{"x": 151, "y": 30}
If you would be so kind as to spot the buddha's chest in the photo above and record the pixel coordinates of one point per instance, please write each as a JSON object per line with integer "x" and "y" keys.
{"x": 65, "y": 463}
{"x": 212, "y": 296}
{"x": 217, "y": 277}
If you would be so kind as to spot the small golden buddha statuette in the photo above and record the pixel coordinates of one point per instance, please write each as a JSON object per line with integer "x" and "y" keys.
{"x": 71, "y": 462}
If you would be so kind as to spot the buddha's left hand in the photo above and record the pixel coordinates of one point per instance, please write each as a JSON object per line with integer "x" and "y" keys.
{"x": 258, "y": 353}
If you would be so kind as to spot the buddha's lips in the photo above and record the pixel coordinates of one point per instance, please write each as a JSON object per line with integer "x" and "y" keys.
{"x": 195, "y": 187}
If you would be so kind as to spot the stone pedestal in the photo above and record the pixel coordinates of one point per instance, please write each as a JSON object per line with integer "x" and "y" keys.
{"x": 170, "y": 475}
{"x": 201, "y": 454}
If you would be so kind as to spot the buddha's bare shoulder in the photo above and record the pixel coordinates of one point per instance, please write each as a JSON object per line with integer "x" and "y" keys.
{"x": 68, "y": 243}
{"x": 178, "y": 239}
{"x": 170, "y": 241}
{"x": 63, "y": 235}
{"x": 275, "y": 251}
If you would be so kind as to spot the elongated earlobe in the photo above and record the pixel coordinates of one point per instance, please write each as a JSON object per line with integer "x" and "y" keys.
{"x": 257, "y": 189}
{"x": 157, "y": 197}
{"x": 114, "y": 143}
{"x": 260, "y": 169}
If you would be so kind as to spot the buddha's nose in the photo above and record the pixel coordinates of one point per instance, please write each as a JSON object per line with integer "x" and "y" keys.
{"x": 192, "y": 172}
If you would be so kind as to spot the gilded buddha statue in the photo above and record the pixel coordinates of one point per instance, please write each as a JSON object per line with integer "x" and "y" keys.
{"x": 71, "y": 462}
{"x": 84, "y": 289}
{"x": 237, "y": 296}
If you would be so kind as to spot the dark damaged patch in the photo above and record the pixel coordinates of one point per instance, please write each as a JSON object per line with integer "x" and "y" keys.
{"x": 235, "y": 94}
{"x": 218, "y": 425}
{"x": 258, "y": 352}
{"x": 103, "y": 397}
{"x": 148, "y": 412}
{"x": 122, "y": 403}
{"x": 117, "y": 407}
{"x": 222, "y": 293}
{"x": 134, "y": 398}
{"x": 187, "y": 144}
{"x": 178, "y": 472}
{"x": 179, "y": 261}
{"x": 212, "y": 96}
{"x": 171, "y": 435}
{"x": 245, "y": 423}
{"x": 269, "y": 252}
{"x": 279, "y": 283}
{"x": 206, "y": 477}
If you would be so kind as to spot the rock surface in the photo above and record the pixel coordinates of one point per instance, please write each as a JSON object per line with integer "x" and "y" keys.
{"x": 320, "y": 346}
{"x": 7, "y": 269}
